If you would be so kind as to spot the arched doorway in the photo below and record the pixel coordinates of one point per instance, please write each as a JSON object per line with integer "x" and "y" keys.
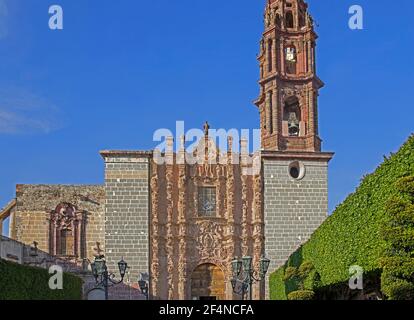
{"x": 207, "y": 283}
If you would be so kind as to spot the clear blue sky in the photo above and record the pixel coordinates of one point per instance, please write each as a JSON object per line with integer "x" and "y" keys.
{"x": 121, "y": 69}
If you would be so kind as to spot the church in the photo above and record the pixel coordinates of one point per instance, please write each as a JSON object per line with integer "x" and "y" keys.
{"x": 184, "y": 223}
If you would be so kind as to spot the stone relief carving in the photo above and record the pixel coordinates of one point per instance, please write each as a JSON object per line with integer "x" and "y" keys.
{"x": 64, "y": 215}
{"x": 245, "y": 234}
{"x": 262, "y": 47}
{"x": 181, "y": 239}
{"x": 170, "y": 233}
{"x": 293, "y": 91}
{"x": 230, "y": 194}
{"x": 66, "y": 218}
{"x": 155, "y": 231}
{"x": 269, "y": 16}
{"x": 182, "y": 247}
{"x": 257, "y": 189}
{"x": 209, "y": 235}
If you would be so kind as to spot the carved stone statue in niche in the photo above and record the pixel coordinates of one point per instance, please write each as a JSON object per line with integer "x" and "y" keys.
{"x": 262, "y": 46}
{"x": 269, "y": 16}
{"x": 310, "y": 20}
{"x": 63, "y": 215}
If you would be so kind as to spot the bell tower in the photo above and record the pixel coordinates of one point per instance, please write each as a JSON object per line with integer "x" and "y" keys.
{"x": 295, "y": 171}
{"x": 289, "y": 86}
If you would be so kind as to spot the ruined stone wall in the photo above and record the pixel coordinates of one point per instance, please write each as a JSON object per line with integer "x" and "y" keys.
{"x": 35, "y": 202}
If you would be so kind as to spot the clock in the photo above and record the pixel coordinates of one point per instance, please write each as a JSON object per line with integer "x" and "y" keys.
{"x": 290, "y": 55}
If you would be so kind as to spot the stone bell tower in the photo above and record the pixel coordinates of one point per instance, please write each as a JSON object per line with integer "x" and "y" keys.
{"x": 288, "y": 81}
{"x": 295, "y": 171}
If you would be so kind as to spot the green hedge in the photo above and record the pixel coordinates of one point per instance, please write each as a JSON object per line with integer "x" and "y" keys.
{"x": 301, "y": 295}
{"x": 397, "y": 281}
{"x": 18, "y": 282}
{"x": 351, "y": 236}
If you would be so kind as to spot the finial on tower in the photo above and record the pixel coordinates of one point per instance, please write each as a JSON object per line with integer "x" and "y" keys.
{"x": 206, "y": 128}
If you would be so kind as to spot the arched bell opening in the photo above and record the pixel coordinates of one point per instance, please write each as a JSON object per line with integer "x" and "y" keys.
{"x": 292, "y": 118}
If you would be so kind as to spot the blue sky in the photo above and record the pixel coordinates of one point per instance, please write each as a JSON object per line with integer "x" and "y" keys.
{"x": 122, "y": 69}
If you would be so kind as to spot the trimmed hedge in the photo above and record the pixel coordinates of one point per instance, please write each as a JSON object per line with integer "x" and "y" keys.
{"x": 18, "y": 282}
{"x": 301, "y": 295}
{"x": 351, "y": 235}
{"x": 397, "y": 281}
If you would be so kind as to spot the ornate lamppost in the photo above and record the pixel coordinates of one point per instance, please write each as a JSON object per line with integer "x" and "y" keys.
{"x": 245, "y": 275}
{"x": 105, "y": 279}
{"x": 143, "y": 286}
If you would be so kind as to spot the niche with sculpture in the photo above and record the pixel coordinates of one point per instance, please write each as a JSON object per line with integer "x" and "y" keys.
{"x": 67, "y": 231}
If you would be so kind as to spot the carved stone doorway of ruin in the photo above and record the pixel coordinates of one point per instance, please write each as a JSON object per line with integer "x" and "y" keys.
{"x": 207, "y": 283}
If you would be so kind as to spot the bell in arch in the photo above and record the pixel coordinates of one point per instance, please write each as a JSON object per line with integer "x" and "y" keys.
{"x": 293, "y": 124}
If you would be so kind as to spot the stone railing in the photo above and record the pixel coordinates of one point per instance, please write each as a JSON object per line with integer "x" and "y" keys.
{"x": 11, "y": 250}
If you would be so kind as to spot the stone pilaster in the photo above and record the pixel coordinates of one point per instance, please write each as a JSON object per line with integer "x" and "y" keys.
{"x": 155, "y": 252}
{"x": 170, "y": 232}
{"x": 182, "y": 219}
{"x": 258, "y": 230}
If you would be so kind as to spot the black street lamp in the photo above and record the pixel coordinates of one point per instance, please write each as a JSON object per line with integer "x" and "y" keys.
{"x": 143, "y": 286}
{"x": 105, "y": 279}
{"x": 244, "y": 274}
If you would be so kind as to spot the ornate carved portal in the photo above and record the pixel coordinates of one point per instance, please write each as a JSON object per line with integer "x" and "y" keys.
{"x": 183, "y": 238}
{"x": 67, "y": 231}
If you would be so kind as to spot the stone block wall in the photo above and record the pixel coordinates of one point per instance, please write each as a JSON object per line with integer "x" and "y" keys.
{"x": 293, "y": 209}
{"x": 127, "y": 213}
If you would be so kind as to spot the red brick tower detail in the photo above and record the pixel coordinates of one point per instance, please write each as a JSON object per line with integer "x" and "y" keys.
{"x": 288, "y": 82}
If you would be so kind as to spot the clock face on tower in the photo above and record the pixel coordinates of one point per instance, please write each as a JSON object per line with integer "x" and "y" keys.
{"x": 290, "y": 55}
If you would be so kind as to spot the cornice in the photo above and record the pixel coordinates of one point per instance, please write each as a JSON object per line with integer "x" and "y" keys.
{"x": 295, "y": 155}
{"x": 125, "y": 153}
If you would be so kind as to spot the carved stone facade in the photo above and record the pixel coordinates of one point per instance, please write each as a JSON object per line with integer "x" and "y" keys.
{"x": 183, "y": 239}
{"x": 183, "y": 222}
